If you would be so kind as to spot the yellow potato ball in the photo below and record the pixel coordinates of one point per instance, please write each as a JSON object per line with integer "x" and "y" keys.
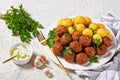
{"x": 80, "y": 27}
{"x": 79, "y": 20}
{"x": 71, "y": 30}
{"x": 93, "y": 26}
{"x": 108, "y": 34}
{"x": 97, "y": 36}
{"x": 103, "y": 32}
{"x": 87, "y": 32}
{"x": 87, "y": 20}
{"x": 101, "y": 25}
{"x": 60, "y": 22}
{"x": 67, "y": 22}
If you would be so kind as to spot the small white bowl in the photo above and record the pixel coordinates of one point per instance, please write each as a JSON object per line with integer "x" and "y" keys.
{"x": 27, "y": 51}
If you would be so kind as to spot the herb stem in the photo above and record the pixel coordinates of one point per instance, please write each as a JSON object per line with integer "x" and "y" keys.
{"x": 1, "y": 16}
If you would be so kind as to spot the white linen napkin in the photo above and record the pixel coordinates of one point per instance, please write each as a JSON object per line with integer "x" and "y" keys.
{"x": 111, "y": 70}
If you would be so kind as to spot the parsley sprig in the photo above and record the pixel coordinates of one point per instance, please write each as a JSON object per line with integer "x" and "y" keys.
{"x": 67, "y": 51}
{"x": 21, "y": 24}
{"x": 96, "y": 43}
{"x": 51, "y": 35}
{"x": 94, "y": 59}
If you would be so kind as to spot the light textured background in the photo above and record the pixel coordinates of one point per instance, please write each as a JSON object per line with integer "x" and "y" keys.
{"x": 47, "y": 12}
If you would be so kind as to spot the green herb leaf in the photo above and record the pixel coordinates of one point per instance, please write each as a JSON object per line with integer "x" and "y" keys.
{"x": 94, "y": 31}
{"x": 67, "y": 51}
{"x": 50, "y": 42}
{"x": 74, "y": 27}
{"x": 96, "y": 43}
{"x": 51, "y": 36}
{"x": 66, "y": 34}
{"x": 94, "y": 59}
{"x": 21, "y": 24}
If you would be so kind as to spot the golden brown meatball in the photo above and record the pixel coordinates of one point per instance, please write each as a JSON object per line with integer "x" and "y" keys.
{"x": 102, "y": 50}
{"x": 76, "y": 46}
{"x": 90, "y": 51}
{"x": 57, "y": 48}
{"x": 107, "y": 41}
{"x": 66, "y": 39}
{"x": 57, "y": 39}
{"x": 69, "y": 57}
{"x": 61, "y": 30}
{"x": 76, "y": 35}
{"x": 85, "y": 40}
{"x": 81, "y": 58}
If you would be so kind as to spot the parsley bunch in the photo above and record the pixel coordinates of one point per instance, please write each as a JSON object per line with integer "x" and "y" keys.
{"x": 21, "y": 24}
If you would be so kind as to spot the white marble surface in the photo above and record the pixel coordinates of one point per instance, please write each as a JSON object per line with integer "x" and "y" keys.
{"x": 46, "y": 12}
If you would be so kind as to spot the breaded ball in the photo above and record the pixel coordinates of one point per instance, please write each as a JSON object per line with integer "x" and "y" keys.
{"x": 71, "y": 30}
{"x": 102, "y": 50}
{"x": 57, "y": 39}
{"x": 107, "y": 41}
{"x": 75, "y": 46}
{"x": 81, "y": 58}
{"x": 87, "y": 32}
{"x": 101, "y": 25}
{"x": 69, "y": 57}
{"x": 85, "y": 41}
{"x": 103, "y": 32}
{"x": 76, "y": 35}
{"x": 61, "y": 30}
{"x": 80, "y": 27}
{"x": 97, "y": 36}
{"x": 66, "y": 39}
{"x": 57, "y": 48}
{"x": 67, "y": 22}
{"x": 90, "y": 51}
{"x": 79, "y": 20}
{"x": 93, "y": 26}
{"x": 87, "y": 21}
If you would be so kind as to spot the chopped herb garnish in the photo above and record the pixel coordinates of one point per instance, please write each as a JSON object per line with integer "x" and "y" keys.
{"x": 50, "y": 42}
{"x": 21, "y": 24}
{"x": 51, "y": 36}
{"x": 96, "y": 43}
{"x": 67, "y": 51}
{"x": 94, "y": 59}
{"x": 66, "y": 34}
{"x": 94, "y": 31}
{"x": 74, "y": 27}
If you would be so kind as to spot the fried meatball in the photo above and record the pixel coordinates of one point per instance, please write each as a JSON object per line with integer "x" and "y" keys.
{"x": 57, "y": 48}
{"x": 69, "y": 57}
{"x": 57, "y": 39}
{"x": 76, "y": 35}
{"x": 81, "y": 58}
{"x": 75, "y": 46}
{"x": 107, "y": 41}
{"x": 66, "y": 39}
{"x": 61, "y": 30}
{"x": 102, "y": 50}
{"x": 85, "y": 40}
{"x": 90, "y": 51}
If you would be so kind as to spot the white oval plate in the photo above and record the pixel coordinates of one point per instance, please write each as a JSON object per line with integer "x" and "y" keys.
{"x": 102, "y": 60}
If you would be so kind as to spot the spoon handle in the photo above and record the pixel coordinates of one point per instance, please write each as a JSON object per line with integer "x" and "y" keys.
{"x": 9, "y": 59}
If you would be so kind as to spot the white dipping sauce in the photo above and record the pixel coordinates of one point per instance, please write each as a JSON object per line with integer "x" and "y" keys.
{"x": 22, "y": 51}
